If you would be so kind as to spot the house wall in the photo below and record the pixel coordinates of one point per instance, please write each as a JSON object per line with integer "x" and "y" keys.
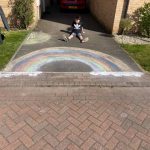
{"x": 134, "y": 4}
{"x": 118, "y": 15}
{"x": 4, "y": 4}
{"x": 7, "y": 10}
{"x": 104, "y": 11}
{"x": 109, "y": 12}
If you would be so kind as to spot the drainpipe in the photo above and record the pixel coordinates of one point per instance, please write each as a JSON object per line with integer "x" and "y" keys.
{"x": 126, "y": 8}
{"x": 124, "y": 12}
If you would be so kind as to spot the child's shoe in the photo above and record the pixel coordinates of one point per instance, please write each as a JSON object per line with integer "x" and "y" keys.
{"x": 85, "y": 40}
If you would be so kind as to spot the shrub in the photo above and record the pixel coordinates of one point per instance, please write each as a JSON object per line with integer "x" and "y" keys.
{"x": 22, "y": 13}
{"x": 141, "y": 18}
{"x": 125, "y": 25}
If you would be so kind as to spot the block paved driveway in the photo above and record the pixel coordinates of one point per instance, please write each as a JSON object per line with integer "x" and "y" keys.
{"x": 73, "y": 112}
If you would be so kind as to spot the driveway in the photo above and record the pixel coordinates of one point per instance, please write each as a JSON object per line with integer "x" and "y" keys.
{"x": 101, "y": 48}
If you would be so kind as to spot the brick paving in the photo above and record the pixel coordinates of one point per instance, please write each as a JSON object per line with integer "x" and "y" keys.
{"x": 38, "y": 114}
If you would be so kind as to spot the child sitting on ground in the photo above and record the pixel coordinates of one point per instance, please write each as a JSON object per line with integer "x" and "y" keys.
{"x": 77, "y": 30}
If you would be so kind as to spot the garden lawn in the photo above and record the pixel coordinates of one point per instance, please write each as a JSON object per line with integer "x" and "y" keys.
{"x": 141, "y": 54}
{"x": 10, "y": 45}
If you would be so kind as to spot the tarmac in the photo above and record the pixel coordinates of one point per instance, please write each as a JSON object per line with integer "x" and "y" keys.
{"x": 49, "y": 34}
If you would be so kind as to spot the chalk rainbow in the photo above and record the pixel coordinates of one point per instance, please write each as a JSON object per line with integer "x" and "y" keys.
{"x": 97, "y": 61}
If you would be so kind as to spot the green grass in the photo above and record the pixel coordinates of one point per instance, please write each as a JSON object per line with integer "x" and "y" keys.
{"x": 141, "y": 53}
{"x": 10, "y": 45}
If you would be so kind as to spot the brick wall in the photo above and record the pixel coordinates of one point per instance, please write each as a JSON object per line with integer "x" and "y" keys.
{"x": 104, "y": 11}
{"x": 134, "y": 4}
{"x": 4, "y": 4}
{"x": 6, "y": 9}
{"x": 109, "y": 12}
{"x": 37, "y": 12}
{"x": 118, "y": 15}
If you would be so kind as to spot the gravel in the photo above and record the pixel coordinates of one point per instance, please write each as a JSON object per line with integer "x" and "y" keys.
{"x": 125, "y": 39}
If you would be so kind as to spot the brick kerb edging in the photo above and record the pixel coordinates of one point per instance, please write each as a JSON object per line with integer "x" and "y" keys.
{"x": 73, "y": 80}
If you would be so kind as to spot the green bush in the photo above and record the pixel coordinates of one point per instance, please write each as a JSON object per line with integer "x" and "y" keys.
{"x": 141, "y": 18}
{"x": 125, "y": 25}
{"x": 22, "y": 13}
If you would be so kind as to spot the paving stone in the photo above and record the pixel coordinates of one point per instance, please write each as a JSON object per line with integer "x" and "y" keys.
{"x": 39, "y": 135}
{"x": 112, "y": 143}
{"x": 39, "y": 145}
{"x": 88, "y": 144}
{"x": 51, "y": 140}
{"x": 146, "y": 123}
{"x": 145, "y": 145}
{"x": 22, "y": 147}
{"x": 5, "y": 131}
{"x": 135, "y": 143}
{"x": 3, "y": 142}
{"x": 63, "y": 145}
{"x": 72, "y": 124}
{"x": 27, "y": 141}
